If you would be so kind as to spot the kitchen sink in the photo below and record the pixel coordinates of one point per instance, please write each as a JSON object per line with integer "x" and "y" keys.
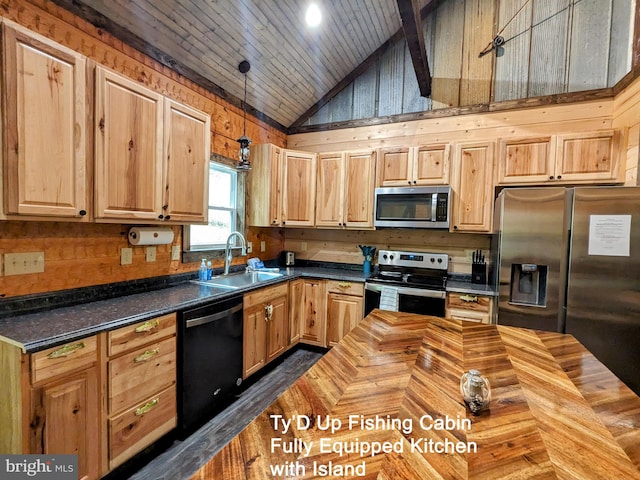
{"x": 239, "y": 280}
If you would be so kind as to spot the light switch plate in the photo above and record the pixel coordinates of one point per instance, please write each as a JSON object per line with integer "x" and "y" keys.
{"x": 175, "y": 252}
{"x": 150, "y": 254}
{"x": 126, "y": 256}
{"x": 23, "y": 263}
{"x": 263, "y": 246}
{"x": 303, "y": 246}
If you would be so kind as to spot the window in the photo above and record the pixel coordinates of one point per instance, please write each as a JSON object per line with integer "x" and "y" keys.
{"x": 226, "y": 210}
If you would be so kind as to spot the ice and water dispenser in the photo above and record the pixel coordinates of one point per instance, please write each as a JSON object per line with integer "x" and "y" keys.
{"x": 528, "y": 284}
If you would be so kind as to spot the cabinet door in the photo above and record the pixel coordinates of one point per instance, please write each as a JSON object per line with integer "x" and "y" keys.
{"x": 296, "y": 307}
{"x": 330, "y": 189}
{"x": 313, "y": 316}
{"x": 45, "y": 121}
{"x": 264, "y": 186}
{"x": 298, "y": 189}
{"x": 277, "y": 331}
{"x": 359, "y": 184}
{"x": 525, "y": 160}
{"x": 473, "y": 187}
{"x": 128, "y": 143}
{"x": 254, "y": 339}
{"x": 65, "y": 420}
{"x": 186, "y": 176}
{"x": 431, "y": 165}
{"x": 394, "y": 167}
{"x": 589, "y": 156}
{"x": 344, "y": 312}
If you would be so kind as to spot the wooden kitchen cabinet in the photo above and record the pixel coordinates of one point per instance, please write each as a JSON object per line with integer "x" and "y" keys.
{"x": 265, "y": 325}
{"x": 141, "y": 386}
{"x": 345, "y": 185}
{"x": 571, "y": 158}
{"x": 151, "y": 154}
{"x": 44, "y": 105}
{"x": 469, "y": 307}
{"x": 298, "y": 188}
{"x": 64, "y": 404}
{"x": 296, "y": 305}
{"x": 415, "y": 166}
{"x": 281, "y": 187}
{"x": 473, "y": 188}
{"x": 345, "y": 307}
{"x": 314, "y": 306}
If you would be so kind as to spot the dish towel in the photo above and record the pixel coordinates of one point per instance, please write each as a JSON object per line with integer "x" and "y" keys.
{"x": 389, "y": 299}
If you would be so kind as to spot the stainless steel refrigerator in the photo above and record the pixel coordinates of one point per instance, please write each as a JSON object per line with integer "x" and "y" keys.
{"x": 568, "y": 260}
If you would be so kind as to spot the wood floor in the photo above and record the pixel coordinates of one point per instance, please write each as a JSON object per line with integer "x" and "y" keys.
{"x": 183, "y": 458}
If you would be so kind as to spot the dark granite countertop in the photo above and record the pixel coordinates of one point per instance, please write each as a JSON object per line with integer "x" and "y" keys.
{"x": 37, "y": 331}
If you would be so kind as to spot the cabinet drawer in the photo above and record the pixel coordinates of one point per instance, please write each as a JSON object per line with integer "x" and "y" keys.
{"x": 346, "y": 287}
{"x": 141, "y": 425}
{"x": 62, "y": 359}
{"x": 468, "y": 316}
{"x": 139, "y": 374}
{"x": 266, "y": 294}
{"x": 467, "y": 301}
{"x": 134, "y": 336}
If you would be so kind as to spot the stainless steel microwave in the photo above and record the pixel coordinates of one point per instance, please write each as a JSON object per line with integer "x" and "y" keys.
{"x": 412, "y": 207}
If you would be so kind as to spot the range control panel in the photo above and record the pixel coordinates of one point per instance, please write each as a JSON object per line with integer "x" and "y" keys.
{"x": 396, "y": 258}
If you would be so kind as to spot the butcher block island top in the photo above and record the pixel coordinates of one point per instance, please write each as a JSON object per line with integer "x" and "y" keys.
{"x": 385, "y": 404}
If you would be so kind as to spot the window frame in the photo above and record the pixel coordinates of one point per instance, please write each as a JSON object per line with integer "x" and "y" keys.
{"x": 213, "y": 251}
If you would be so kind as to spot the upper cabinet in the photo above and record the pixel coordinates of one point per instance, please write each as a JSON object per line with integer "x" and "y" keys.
{"x": 473, "y": 187}
{"x": 281, "y": 187}
{"x": 571, "y": 158}
{"x": 151, "y": 154}
{"x": 45, "y": 122}
{"x": 422, "y": 165}
{"x": 345, "y": 185}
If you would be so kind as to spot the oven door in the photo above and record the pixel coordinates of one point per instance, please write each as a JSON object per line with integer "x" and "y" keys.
{"x": 410, "y": 300}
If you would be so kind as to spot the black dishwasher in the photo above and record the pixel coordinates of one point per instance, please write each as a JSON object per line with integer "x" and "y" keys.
{"x": 210, "y": 360}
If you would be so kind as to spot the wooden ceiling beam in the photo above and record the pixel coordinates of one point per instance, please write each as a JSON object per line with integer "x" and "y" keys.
{"x": 412, "y": 26}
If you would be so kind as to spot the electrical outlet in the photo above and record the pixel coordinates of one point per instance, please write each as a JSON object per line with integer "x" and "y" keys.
{"x": 249, "y": 247}
{"x": 126, "y": 256}
{"x": 263, "y": 246}
{"x": 175, "y": 252}
{"x": 22, "y": 263}
{"x": 468, "y": 255}
{"x": 150, "y": 254}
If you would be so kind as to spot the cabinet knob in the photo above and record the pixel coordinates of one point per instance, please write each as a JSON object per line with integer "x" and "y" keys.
{"x": 415, "y": 181}
{"x": 283, "y": 222}
{"x": 455, "y": 227}
{"x": 550, "y": 177}
{"x": 559, "y": 177}
{"x": 409, "y": 182}
{"x": 82, "y": 213}
{"x": 160, "y": 216}
{"x": 167, "y": 217}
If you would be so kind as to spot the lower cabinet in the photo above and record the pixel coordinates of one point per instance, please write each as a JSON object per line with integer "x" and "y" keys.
{"x": 345, "y": 307}
{"x": 313, "y": 310}
{"x": 141, "y": 386}
{"x": 469, "y": 307}
{"x": 64, "y": 404}
{"x": 265, "y": 323}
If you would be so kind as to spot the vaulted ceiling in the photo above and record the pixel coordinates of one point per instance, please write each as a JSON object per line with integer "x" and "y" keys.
{"x": 293, "y": 66}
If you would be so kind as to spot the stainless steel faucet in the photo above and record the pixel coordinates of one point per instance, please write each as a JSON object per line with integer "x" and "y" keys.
{"x": 227, "y": 250}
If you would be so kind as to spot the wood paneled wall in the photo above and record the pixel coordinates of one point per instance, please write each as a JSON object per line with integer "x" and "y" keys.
{"x": 342, "y": 245}
{"x": 627, "y": 115}
{"x": 79, "y": 255}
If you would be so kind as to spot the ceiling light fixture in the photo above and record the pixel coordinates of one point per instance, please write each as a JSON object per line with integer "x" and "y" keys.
{"x": 243, "y": 155}
{"x": 313, "y": 17}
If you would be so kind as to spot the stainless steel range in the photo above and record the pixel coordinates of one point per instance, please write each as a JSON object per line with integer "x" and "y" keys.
{"x": 413, "y": 282}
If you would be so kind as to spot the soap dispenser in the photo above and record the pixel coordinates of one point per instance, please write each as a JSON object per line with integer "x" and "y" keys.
{"x": 202, "y": 274}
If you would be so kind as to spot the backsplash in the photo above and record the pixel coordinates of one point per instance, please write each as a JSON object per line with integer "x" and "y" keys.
{"x": 80, "y": 255}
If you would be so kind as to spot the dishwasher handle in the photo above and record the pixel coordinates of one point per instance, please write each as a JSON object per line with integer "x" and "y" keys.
{"x": 194, "y": 322}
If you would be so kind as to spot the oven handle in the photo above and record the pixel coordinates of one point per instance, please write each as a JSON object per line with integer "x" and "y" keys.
{"x": 416, "y": 292}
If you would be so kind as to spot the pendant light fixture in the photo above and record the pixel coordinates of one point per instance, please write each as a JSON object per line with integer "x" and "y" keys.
{"x": 243, "y": 154}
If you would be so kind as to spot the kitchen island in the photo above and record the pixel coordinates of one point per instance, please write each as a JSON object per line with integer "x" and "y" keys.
{"x": 385, "y": 403}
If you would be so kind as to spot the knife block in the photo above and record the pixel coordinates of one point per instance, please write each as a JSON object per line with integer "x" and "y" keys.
{"x": 479, "y": 273}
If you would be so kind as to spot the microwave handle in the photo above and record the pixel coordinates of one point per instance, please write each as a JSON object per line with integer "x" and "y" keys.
{"x": 434, "y": 206}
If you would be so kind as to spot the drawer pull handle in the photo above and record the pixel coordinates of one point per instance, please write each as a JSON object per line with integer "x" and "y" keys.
{"x": 147, "y": 407}
{"x": 268, "y": 312}
{"x": 146, "y": 355}
{"x": 469, "y": 298}
{"x": 66, "y": 350}
{"x": 148, "y": 326}
{"x": 344, "y": 284}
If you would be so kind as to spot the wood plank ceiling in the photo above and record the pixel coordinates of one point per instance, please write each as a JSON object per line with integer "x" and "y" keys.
{"x": 292, "y": 66}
